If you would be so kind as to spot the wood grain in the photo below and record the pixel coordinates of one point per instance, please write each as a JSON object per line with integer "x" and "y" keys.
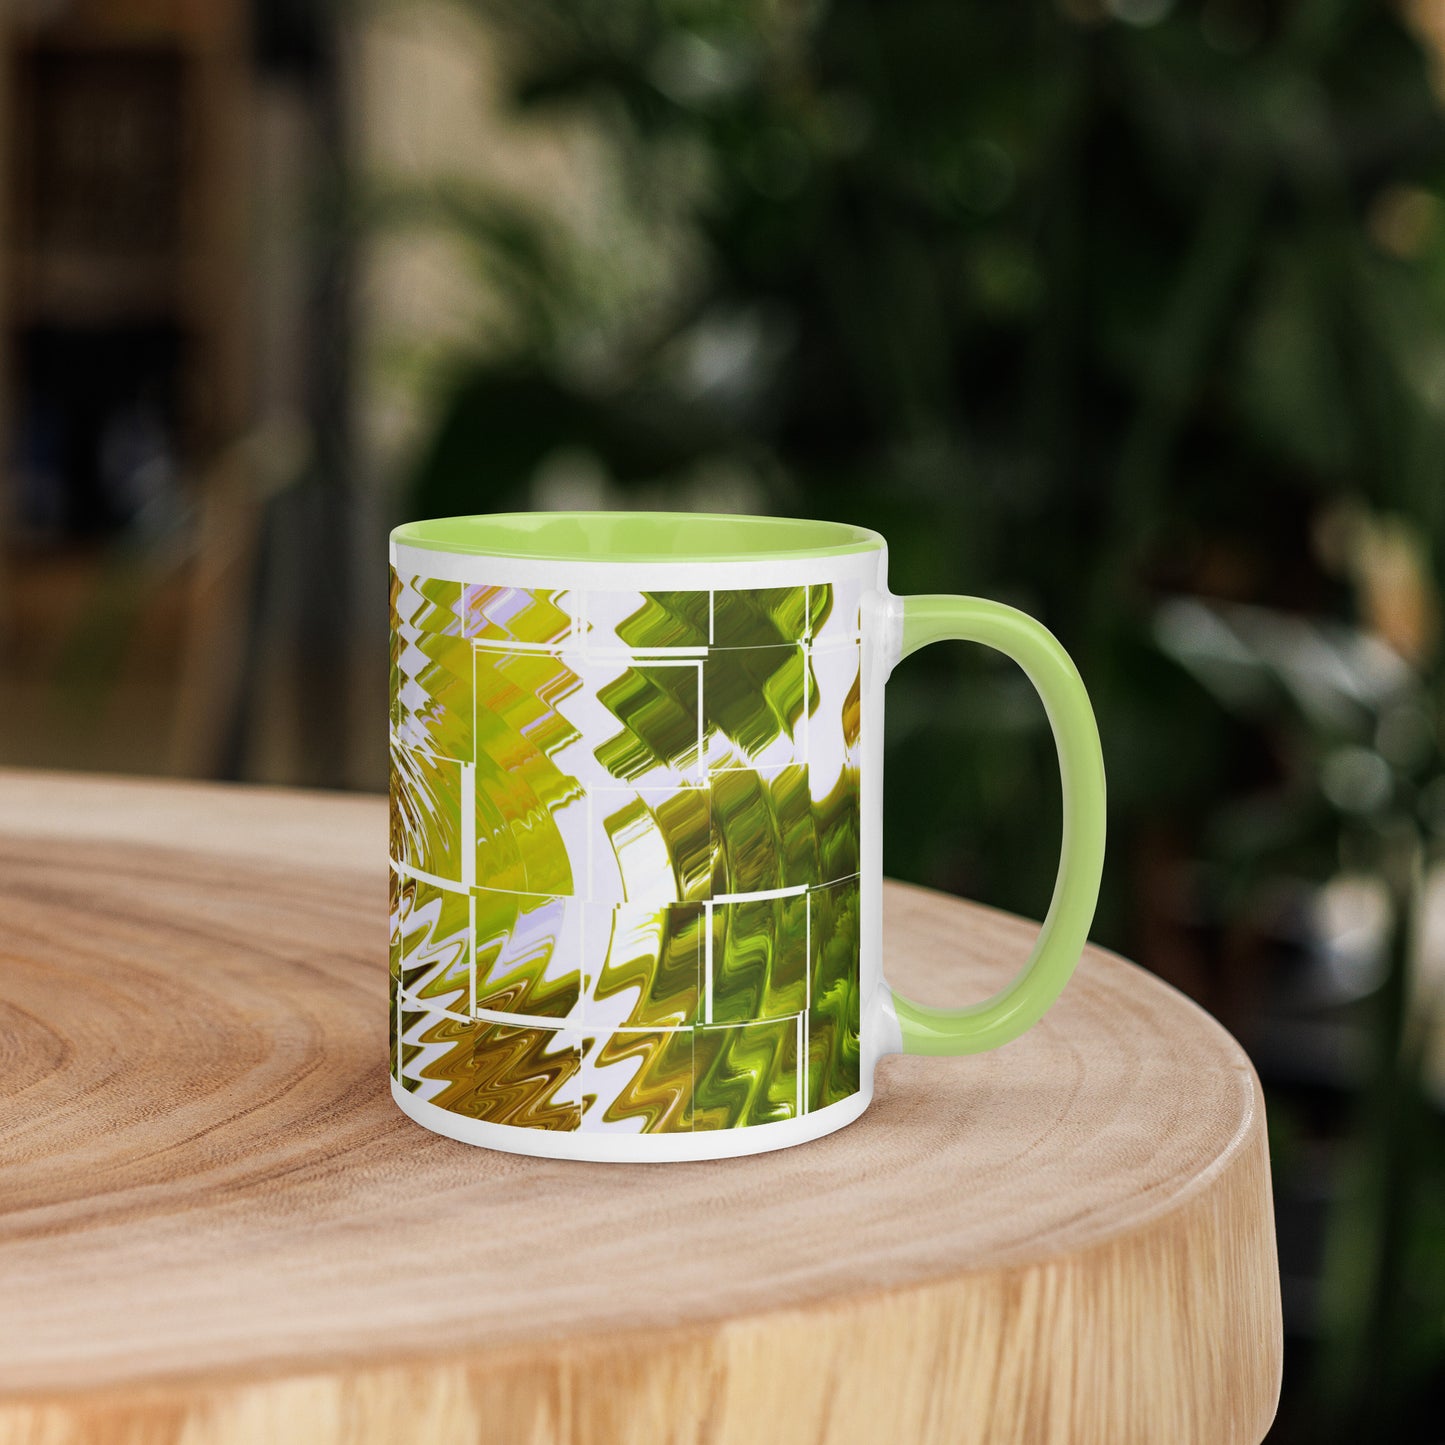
{"x": 216, "y": 1227}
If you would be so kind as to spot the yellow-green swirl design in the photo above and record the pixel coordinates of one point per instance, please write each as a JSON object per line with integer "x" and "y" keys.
{"x": 625, "y": 853}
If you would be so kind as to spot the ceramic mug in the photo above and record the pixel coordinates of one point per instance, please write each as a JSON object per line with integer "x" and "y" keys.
{"x": 636, "y": 830}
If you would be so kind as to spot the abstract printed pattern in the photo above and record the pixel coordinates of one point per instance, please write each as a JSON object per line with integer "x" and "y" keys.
{"x": 625, "y": 852}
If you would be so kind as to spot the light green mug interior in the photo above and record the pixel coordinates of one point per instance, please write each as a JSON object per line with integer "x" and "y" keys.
{"x": 636, "y": 536}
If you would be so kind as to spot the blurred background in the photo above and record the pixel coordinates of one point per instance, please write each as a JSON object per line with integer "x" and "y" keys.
{"x": 1128, "y": 312}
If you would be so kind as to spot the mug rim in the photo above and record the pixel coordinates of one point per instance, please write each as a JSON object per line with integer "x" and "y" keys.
{"x": 618, "y": 536}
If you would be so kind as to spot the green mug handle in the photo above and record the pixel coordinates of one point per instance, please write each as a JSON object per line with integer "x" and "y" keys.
{"x": 986, "y": 1025}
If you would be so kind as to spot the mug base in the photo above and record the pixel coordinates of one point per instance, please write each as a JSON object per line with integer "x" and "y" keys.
{"x": 610, "y": 1148}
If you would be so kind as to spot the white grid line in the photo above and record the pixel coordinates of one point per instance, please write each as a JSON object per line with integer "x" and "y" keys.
{"x": 396, "y": 740}
{"x": 762, "y": 895}
{"x": 835, "y": 644}
{"x": 426, "y": 1006}
{"x": 469, "y": 818}
{"x": 472, "y": 954}
{"x": 806, "y": 1022}
{"x": 564, "y": 1025}
{"x": 585, "y": 653}
{"x": 770, "y": 1022}
{"x": 763, "y": 770}
{"x": 701, "y": 756}
{"x": 798, "y": 1070}
{"x": 707, "y": 960}
{"x": 447, "y": 885}
{"x": 660, "y": 656}
{"x": 807, "y": 703}
{"x": 567, "y": 1024}
{"x": 519, "y": 892}
{"x": 472, "y": 905}
{"x": 400, "y": 1067}
{"x": 808, "y": 954}
{"x": 555, "y": 648}
{"x": 451, "y": 885}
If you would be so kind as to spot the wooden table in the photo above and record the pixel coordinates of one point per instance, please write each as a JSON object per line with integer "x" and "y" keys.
{"x": 216, "y": 1226}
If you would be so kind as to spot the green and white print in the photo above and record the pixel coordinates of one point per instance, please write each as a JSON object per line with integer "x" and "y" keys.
{"x": 625, "y": 854}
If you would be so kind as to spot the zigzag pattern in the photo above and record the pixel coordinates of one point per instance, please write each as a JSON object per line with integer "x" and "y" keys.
{"x": 760, "y": 958}
{"x": 518, "y": 786}
{"x": 660, "y": 1093}
{"x": 518, "y": 970}
{"x": 657, "y": 708}
{"x": 746, "y": 1075}
{"x": 668, "y": 619}
{"x": 503, "y": 1075}
{"x": 664, "y": 847}
{"x": 431, "y": 687}
{"x": 622, "y": 825}
{"x": 426, "y": 812}
{"x": 513, "y": 614}
{"x": 834, "y": 1053}
{"x": 658, "y": 953}
{"x": 431, "y": 942}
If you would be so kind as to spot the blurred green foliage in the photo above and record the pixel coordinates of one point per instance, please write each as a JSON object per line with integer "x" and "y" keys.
{"x": 1088, "y": 307}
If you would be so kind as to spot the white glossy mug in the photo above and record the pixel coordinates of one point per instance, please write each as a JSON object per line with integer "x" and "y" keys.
{"x": 636, "y": 830}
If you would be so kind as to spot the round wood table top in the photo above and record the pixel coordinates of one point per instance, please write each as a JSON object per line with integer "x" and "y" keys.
{"x": 215, "y": 1225}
